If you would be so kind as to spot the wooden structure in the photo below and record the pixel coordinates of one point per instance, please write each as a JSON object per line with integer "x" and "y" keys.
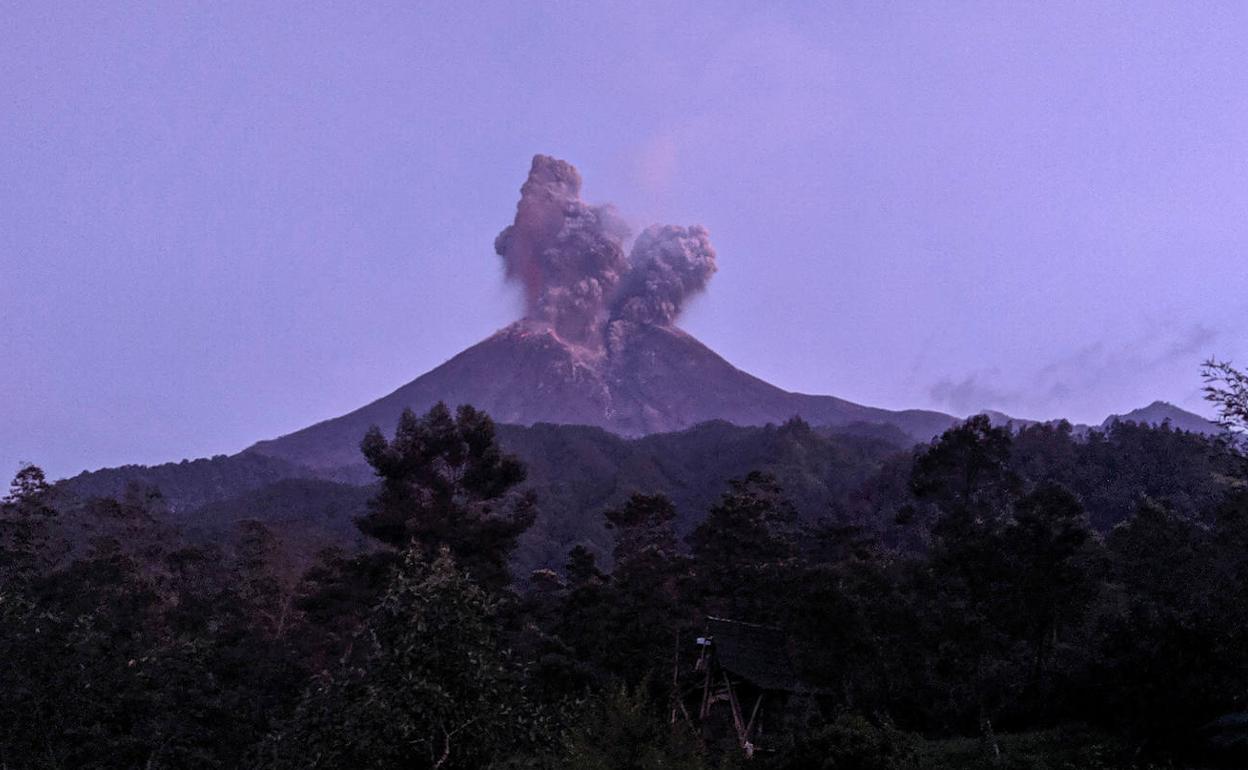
{"x": 746, "y": 678}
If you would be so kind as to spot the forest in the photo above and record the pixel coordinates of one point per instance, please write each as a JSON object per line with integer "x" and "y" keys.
{"x": 997, "y": 598}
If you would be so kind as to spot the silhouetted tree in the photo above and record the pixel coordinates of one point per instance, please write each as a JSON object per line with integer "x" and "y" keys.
{"x": 445, "y": 483}
{"x": 1055, "y": 576}
{"x": 966, "y": 475}
{"x": 1162, "y": 672}
{"x": 744, "y": 550}
{"x": 268, "y": 595}
{"x": 647, "y": 611}
{"x": 26, "y": 526}
{"x": 1227, "y": 388}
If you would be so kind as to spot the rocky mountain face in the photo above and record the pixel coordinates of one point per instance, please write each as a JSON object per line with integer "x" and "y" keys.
{"x": 647, "y": 379}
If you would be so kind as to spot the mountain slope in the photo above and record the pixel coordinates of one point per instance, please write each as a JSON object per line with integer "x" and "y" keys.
{"x": 647, "y": 379}
{"x": 576, "y": 472}
{"x": 1160, "y": 412}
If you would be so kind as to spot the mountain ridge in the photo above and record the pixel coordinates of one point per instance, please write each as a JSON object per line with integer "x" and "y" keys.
{"x": 1160, "y": 412}
{"x": 645, "y": 379}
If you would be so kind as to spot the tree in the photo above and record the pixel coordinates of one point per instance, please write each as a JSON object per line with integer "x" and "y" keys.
{"x": 1164, "y": 671}
{"x": 424, "y": 685}
{"x": 267, "y": 595}
{"x": 1054, "y": 578}
{"x": 26, "y": 515}
{"x": 646, "y": 607}
{"x": 446, "y": 483}
{"x": 333, "y": 597}
{"x": 29, "y": 487}
{"x": 1227, "y": 388}
{"x": 966, "y": 474}
{"x": 645, "y": 534}
{"x": 741, "y": 551}
{"x": 581, "y": 621}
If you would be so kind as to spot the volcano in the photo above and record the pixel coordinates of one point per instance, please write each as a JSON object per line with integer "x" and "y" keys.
{"x": 598, "y": 344}
{"x": 657, "y": 379}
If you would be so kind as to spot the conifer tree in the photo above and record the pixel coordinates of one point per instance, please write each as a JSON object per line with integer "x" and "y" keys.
{"x": 445, "y": 482}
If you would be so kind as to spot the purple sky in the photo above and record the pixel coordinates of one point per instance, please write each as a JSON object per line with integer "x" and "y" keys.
{"x": 220, "y": 224}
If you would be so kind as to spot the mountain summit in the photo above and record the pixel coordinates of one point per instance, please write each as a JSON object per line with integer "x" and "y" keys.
{"x": 653, "y": 379}
{"x": 1163, "y": 412}
{"x": 598, "y": 344}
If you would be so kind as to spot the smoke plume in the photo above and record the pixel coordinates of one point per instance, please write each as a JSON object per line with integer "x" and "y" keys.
{"x": 569, "y": 257}
{"x": 668, "y": 264}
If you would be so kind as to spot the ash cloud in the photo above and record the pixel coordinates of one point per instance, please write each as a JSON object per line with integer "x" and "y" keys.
{"x": 669, "y": 263}
{"x": 569, "y": 257}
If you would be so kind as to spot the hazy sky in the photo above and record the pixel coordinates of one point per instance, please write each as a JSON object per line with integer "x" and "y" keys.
{"x": 222, "y": 222}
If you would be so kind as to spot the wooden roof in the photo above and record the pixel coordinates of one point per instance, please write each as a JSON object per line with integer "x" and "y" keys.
{"x": 755, "y": 653}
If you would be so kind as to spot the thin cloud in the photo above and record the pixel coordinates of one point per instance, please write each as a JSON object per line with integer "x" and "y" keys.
{"x": 971, "y": 394}
{"x": 1098, "y": 378}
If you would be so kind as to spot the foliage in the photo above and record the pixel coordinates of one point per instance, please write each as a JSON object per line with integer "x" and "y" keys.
{"x": 623, "y": 729}
{"x": 444, "y": 484}
{"x": 425, "y": 684}
{"x": 851, "y": 742}
{"x": 25, "y": 526}
{"x": 1227, "y": 388}
{"x": 743, "y": 550}
{"x": 1029, "y": 599}
{"x": 644, "y": 614}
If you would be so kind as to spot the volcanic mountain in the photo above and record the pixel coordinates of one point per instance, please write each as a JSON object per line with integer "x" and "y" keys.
{"x": 656, "y": 379}
{"x": 598, "y": 344}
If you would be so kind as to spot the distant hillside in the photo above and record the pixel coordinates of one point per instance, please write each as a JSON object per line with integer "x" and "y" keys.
{"x": 191, "y": 483}
{"x": 1156, "y": 414}
{"x": 858, "y": 473}
{"x": 1160, "y": 412}
{"x": 576, "y": 471}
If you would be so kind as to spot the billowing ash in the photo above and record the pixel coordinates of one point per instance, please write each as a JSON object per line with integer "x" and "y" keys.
{"x": 668, "y": 263}
{"x": 569, "y": 256}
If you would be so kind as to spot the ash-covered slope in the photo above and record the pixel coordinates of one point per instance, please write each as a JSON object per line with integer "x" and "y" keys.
{"x": 654, "y": 379}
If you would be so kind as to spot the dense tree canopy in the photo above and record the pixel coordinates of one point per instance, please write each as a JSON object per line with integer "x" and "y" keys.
{"x": 998, "y": 598}
{"x": 425, "y": 684}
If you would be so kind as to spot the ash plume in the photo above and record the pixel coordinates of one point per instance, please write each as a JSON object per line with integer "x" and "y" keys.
{"x": 668, "y": 264}
{"x": 569, "y": 257}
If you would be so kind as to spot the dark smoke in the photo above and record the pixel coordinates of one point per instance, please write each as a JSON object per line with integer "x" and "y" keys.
{"x": 668, "y": 264}
{"x": 569, "y": 257}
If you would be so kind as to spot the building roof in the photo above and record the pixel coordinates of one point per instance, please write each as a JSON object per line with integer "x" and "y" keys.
{"x": 755, "y": 653}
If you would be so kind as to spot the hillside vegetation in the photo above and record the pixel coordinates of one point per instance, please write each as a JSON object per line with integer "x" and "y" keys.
{"x": 530, "y": 597}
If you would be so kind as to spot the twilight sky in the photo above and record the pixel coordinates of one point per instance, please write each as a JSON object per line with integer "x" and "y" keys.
{"x": 223, "y": 222}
